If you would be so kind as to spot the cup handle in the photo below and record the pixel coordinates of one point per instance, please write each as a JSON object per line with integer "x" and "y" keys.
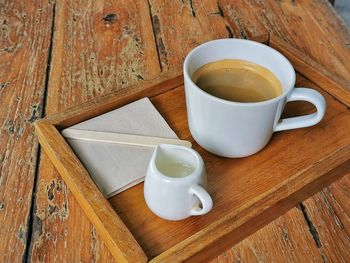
{"x": 308, "y": 95}
{"x": 205, "y": 199}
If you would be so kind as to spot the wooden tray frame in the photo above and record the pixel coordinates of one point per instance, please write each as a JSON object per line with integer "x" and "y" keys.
{"x": 219, "y": 235}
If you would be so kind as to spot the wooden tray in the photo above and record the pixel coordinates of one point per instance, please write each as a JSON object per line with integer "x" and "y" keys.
{"x": 247, "y": 193}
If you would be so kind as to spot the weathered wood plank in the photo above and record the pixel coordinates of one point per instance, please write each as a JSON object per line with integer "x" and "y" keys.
{"x": 24, "y": 44}
{"x": 312, "y": 26}
{"x": 243, "y": 19}
{"x": 331, "y": 219}
{"x": 328, "y": 213}
{"x": 98, "y": 47}
{"x": 287, "y": 239}
{"x": 338, "y": 196}
{"x": 57, "y": 213}
{"x": 180, "y": 26}
{"x": 313, "y": 70}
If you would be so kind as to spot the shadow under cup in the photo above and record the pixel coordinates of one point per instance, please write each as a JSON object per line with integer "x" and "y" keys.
{"x": 236, "y": 129}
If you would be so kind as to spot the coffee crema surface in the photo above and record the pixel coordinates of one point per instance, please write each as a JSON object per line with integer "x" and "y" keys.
{"x": 237, "y": 80}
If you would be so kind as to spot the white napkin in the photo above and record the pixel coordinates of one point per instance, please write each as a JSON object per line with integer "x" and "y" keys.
{"x": 113, "y": 167}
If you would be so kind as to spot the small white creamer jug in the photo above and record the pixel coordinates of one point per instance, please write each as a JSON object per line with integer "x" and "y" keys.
{"x": 175, "y": 182}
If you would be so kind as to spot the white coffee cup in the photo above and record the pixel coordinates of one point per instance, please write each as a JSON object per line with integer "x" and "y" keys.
{"x": 234, "y": 129}
{"x": 175, "y": 182}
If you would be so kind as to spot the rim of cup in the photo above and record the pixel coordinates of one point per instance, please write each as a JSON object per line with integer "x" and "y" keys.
{"x": 285, "y": 90}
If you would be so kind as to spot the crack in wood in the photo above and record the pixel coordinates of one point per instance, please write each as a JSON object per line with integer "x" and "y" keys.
{"x": 159, "y": 42}
{"x": 159, "y": 39}
{"x": 220, "y": 9}
{"x": 222, "y": 14}
{"x": 4, "y": 85}
{"x": 242, "y": 32}
{"x": 110, "y": 18}
{"x": 161, "y": 51}
{"x": 189, "y": 6}
{"x": 240, "y": 27}
{"x": 139, "y": 77}
{"x": 34, "y": 223}
{"x": 285, "y": 234}
{"x": 229, "y": 30}
{"x": 192, "y": 9}
{"x": 37, "y": 226}
{"x": 312, "y": 229}
{"x": 94, "y": 245}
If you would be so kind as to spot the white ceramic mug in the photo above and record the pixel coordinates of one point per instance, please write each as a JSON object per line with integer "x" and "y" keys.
{"x": 234, "y": 129}
{"x": 173, "y": 193}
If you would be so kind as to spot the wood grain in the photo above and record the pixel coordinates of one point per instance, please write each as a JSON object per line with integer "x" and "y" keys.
{"x": 291, "y": 239}
{"x": 95, "y": 55}
{"x": 336, "y": 86}
{"x": 312, "y": 26}
{"x": 98, "y": 47}
{"x": 338, "y": 195}
{"x": 180, "y": 26}
{"x": 286, "y": 239}
{"x": 24, "y": 43}
{"x": 57, "y": 212}
{"x": 59, "y": 222}
{"x": 243, "y": 19}
{"x": 330, "y": 224}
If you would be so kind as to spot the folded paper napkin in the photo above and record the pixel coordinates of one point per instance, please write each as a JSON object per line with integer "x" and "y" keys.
{"x": 113, "y": 167}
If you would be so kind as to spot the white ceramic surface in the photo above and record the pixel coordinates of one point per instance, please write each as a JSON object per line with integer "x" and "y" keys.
{"x": 176, "y": 198}
{"x": 233, "y": 129}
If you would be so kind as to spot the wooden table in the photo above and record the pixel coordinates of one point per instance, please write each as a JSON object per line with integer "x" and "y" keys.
{"x": 58, "y": 54}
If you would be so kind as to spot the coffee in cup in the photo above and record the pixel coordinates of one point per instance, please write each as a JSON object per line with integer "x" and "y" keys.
{"x": 237, "y": 80}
